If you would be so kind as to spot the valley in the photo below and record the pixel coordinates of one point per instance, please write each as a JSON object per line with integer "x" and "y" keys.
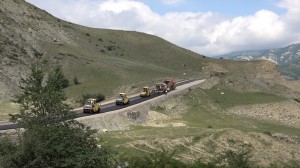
{"x": 227, "y": 104}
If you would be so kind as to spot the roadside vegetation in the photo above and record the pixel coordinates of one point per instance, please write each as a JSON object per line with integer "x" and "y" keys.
{"x": 226, "y": 98}
{"x": 7, "y": 107}
{"x": 209, "y": 106}
{"x": 207, "y": 127}
{"x": 51, "y": 138}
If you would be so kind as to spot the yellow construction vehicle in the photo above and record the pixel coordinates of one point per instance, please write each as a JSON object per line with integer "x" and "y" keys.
{"x": 146, "y": 92}
{"x": 91, "y": 106}
{"x": 122, "y": 99}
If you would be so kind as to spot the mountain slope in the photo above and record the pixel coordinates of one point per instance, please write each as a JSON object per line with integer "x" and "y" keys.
{"x": 287, "y": 58}
{"x": 101, "y": 59}
{"x": 108, "y": 61}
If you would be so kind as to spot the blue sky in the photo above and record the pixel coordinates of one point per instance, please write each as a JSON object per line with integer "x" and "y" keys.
{"x": 226, "y": 7}
{"x": 209, "y": 27}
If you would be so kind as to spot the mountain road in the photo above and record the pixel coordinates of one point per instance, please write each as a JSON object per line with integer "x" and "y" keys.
{"x": 110, "y": 106}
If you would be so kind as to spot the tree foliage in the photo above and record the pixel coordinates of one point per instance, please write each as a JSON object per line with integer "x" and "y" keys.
{"x": 57, "y": 145}
{"x": 98, "y": 96}
{"x": 50, "y": 137}
{"x": 42, "y": 100}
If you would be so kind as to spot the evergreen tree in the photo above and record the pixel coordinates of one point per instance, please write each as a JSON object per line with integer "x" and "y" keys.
{"x": 41, "y": 100}
{"x": 50, "y": 137}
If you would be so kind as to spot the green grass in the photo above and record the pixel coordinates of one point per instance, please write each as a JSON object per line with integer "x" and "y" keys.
{"x": 6, "y": 108}
{"x": 232, "y": 98}
{"x": 204, "y": 118}
{"x": 120, "y": 58}
{"x": 201, "y": 114}
{"x": 203, "y": 121}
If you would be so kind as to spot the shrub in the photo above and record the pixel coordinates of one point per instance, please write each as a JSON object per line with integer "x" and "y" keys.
{"x": 98, "y": 96}
{"x": 75, "y": 80}
{"x": 232, "y": 159}
{"x": 61, "y": 80}
{"x": 67, "y": 144}
{"x": 159, "y": 159}
{"x": 158, "y": 108}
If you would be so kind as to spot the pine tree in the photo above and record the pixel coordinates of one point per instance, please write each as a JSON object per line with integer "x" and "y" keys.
{"x": 42, "y": 100}
{"x": 50, "y": 137}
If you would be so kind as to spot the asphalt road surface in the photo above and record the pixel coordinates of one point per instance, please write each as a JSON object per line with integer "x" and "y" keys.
{"x": 104, "y": 108}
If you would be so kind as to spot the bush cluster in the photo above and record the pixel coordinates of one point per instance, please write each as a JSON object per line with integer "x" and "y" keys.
{"x": 98, "y": 96}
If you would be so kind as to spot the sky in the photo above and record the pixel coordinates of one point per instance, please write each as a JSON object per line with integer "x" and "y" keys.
{"x": 208, "y": 27}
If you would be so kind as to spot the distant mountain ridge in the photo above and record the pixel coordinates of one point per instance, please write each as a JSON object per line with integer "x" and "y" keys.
{"x": 287, "y": 58}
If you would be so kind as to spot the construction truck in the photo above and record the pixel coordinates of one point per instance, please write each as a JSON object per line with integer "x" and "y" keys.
{"x": 170, "y": 84}
{"x": 165, "y": 87}
{"x": 91, "y": 106}
{"x": 146, "y": 92}
{"x": 122, "y": 99}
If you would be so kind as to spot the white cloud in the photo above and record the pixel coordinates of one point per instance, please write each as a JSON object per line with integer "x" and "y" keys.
{"x": 203, "y": 32}
{"x": 250, "y": 32}
{"x": 291, "y": 17}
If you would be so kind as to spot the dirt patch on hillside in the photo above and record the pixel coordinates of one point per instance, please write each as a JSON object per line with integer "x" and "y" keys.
{"x": 207, "y": 144}
{"x": 157, "y": 119}
{"x": 287, "y": 112}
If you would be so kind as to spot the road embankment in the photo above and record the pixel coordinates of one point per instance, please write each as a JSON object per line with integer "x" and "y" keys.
{"x": 136, "y": 114}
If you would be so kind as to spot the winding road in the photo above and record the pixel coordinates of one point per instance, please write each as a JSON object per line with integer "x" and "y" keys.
{"x": 106, "y": 106}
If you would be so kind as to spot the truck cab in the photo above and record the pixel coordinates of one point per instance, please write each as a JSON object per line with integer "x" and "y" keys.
{"x": 91, "y": 106}
{"x": 170, "y": 84}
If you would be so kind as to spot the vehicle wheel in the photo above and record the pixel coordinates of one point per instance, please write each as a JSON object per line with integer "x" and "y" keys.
{"x": 98, "y": 111}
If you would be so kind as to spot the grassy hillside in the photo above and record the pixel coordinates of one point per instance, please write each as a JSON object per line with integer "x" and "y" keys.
{"x": 109, "y": 59}
{"x": 102, "y": 59}
{"x": 207, "y": 130}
